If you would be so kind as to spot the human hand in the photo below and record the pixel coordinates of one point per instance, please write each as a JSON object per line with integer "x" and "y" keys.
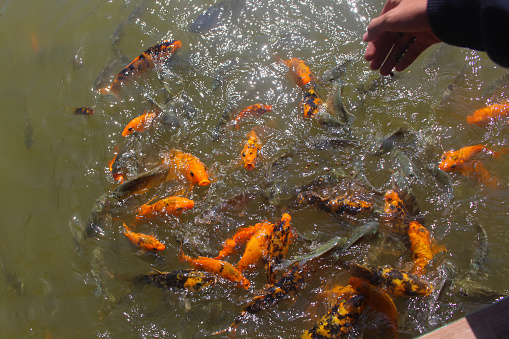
{"x": 399, "y": 35}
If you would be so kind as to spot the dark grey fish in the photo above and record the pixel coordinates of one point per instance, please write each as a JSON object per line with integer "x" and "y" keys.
{"x": 190, "y": 279}
{"x": 216, "y": 15}
{"x": 222, "y": 72}
{"x": 480, "y": 253}
{"x": 474, "y": 291}
{"x": 336, "y": 243}
{"x": 400, "y": 136}
{"x": 366, "y": 232}
{"x": 128, "y": 161}
{"x": 222, "y": 126}
{"x": 143, "y": 182}
{"x": 135, "y": 14}
{"x": 13, "y": 280}
{"x": 334, "y": 104}
{"x": 98, "y": 217}
{"x": 332, "y": 143}
{"x": 335, "y": 72}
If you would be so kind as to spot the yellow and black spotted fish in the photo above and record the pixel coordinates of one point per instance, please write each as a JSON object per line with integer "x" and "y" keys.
{"x": 343, "y": 204}
{"x": 340, "y": 319}
{"x": 192, "y": 280}
{"x": 281, "y": 239}
{"x": 285, "y": 287}
{"x": 393, "y": 281}
{"x": 143, "y": 62}
{"x": 311, "y": 103}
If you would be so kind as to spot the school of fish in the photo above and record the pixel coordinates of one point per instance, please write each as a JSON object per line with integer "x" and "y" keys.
{"x": 263, "y": 247}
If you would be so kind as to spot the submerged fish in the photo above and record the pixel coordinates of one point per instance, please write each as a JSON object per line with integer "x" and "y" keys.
{"x": 480, "y": 252}
{"x": 145, "y": 242}
{"x": 250, "y": 151}
{"x": 139, "y": 124}
{"x": 399, "y": 136}
{"x": 474, "y": 291}
{"x": 143, "y": 62}
{"x": 216, "y": 15}
{"x": 191, "y": 280}
{"x": 170, "y": 205}
{"x": 13, "y": 280}
{"x": 221, "y": 268}
{"x": 83, "y": 111}
{"x": 485, "y": 115}
{"x": 222, "y": 72}
{"x": 256, "y": 109}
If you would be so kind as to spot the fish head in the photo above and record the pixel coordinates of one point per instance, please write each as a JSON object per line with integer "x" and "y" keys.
{"x": 450, "y": 161}
{"x": 249, "y": 155}
{"x": 392, "y": 200}
{"x": 197, "y": 173}
{"x": 184, "y": 204}
{"x": 267, "y": 108}
{"x": 158, "y": 246}
{"x": 311, "y": 103}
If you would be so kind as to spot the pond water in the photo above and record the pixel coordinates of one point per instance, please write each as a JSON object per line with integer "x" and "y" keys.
{"x": 56, "y": 283}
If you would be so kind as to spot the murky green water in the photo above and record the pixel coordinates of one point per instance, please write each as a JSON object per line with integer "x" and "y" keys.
{"x": 55, "y": 164}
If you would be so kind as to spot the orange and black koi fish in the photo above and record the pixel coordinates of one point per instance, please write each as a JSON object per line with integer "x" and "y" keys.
{"x": 311, "y": 103}
{"x": 172, "y": 205}
{"x": 423, "y": 247}
{"x": 140, "y": 123}
{"x": 143, "y": 62}
{"x": 191, "y": 280}
{"x": 240, "y": 238}
{"x": 393, "y": 281}
{"x": 256, "y": 109}
{"x": 221, "y": 268}
{"x": 286, "y": 286}
{"x": 378, "y": 300}
{"x": 282, "y": 237}
{"x": 395, "y": 217}
{"x": 83, "y": 111}
{"x": 300, "y": 72}
{"x": 257, "y": 246}
{"x": 342, "y": 204}
{"x": 143, "y": 241}
{"x": 485, "y": 115}
{"x": 340, "y": 319}
{"x": 250, "y": 151}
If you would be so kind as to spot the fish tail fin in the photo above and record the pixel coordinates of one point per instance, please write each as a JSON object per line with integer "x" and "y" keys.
{"x": 232, "y": 329}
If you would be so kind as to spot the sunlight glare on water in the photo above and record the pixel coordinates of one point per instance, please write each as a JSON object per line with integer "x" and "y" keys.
{"x": 57, "y": 283}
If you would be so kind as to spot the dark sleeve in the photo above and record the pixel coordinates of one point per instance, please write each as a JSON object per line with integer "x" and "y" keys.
{"x": 478, "y": 24}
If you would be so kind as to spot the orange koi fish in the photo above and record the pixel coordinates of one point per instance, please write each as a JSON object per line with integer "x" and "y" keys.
{"x": 257, "y": 246}
{"x": 189, "y": 165}
{"x": 140, "y": 123}
{"x": 143, "y": 241}
{"x": 395, "y": 216}
{"x": 240, "y": 237}
{"x": 300, "y": 72}
{"x": 311, "y": 103}
{"x": 119, "y": 177}
{"x": 171, "y": 205}
{"x": 143, "y": 62}
{"x": 423, "y": 247}
{"x": 455, "y": 160}
{"x": 378, "y": 300}
{"x": 485, "y": 115}
{"x": 250, "y": 151}
{"x": 83, "y": 111}
{"x": 256, "y": 109}
{"x": 282, "y": 237}
{"x": 218, "y": 267}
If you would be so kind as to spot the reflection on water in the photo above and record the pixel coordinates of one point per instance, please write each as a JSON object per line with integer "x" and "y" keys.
{"x": 381, "y": 133}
